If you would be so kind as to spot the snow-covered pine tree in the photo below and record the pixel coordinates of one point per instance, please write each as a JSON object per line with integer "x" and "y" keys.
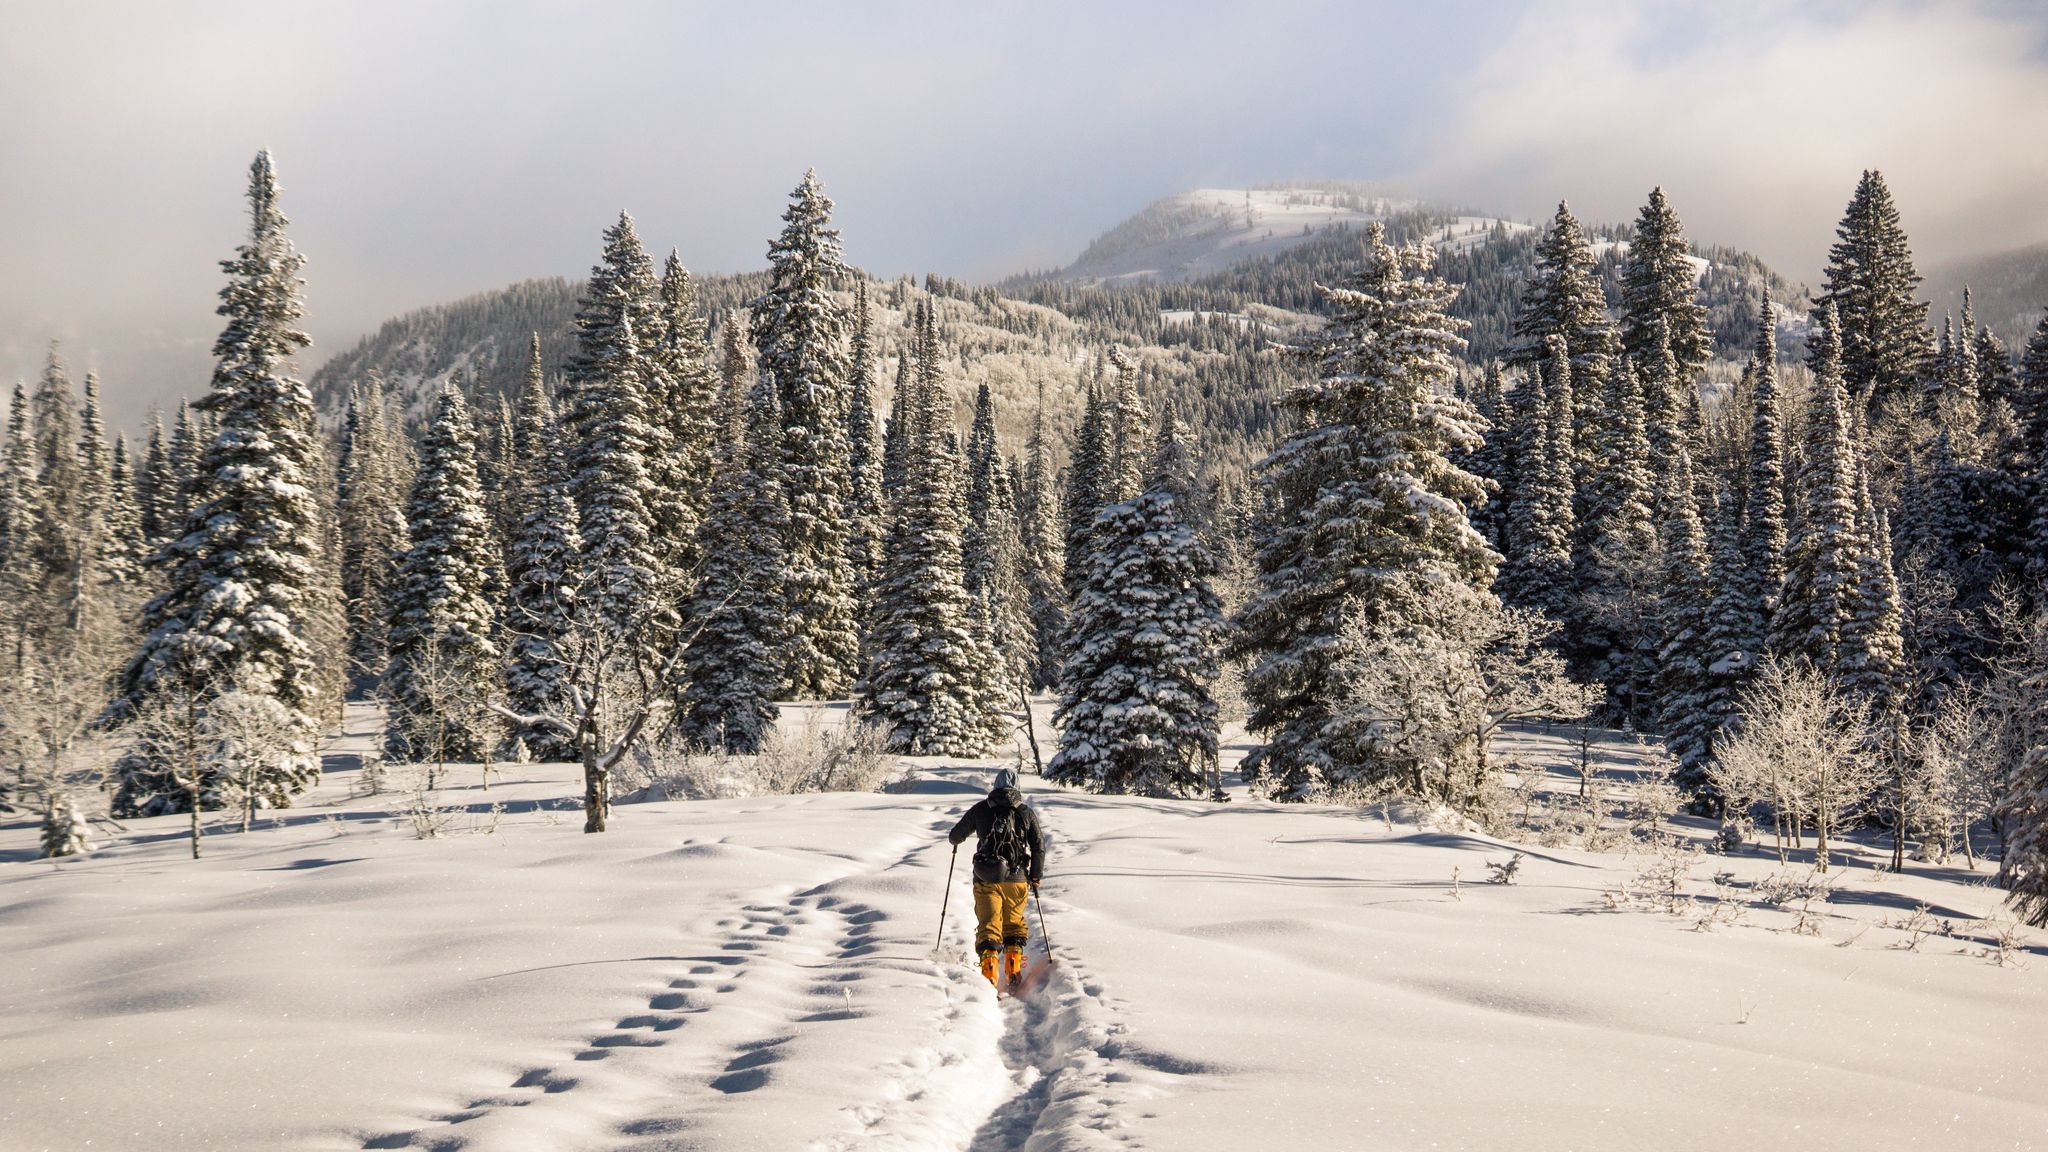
{"x": 66, "y": 830}
{"x": 2030, "y": 453}
{"x": 543, "y": 571}
{"x": 732, "y": 670}
{"x": 1870, "y": 282}
{"x": 444, "y": 665}
{"x": 684, "y": 416}
{"x": 1490, "y": 461}
{"x": 1684, "y": 600}
{"x": 1764, "y": 533}
{"x": 1660, "y": 285}
{"x": 156, "y": 486}
{"x": 240, "y": 575}
{"x": 866, "y": 511}
{"x": 1617, "y": 570}
{"x": 1563, "y": 297}
{"x": 1367, "y": 513}
{"x": 982, "y": 536}
{"x": 927, "y": 675}
{"x": 370, "y": 506}
{"x": 1041, "y": 551}
{"x": 1821, "y": 567}
{"x": 187, "y": 446}
{"x": 1873, "y": 640}
{"x": 893, "y": 431}
{"x": 1123, "y": 471}
{"x": 801, "y": 334}
{"x": 605, "y": 418}
{"x": 1086, "y": 475}
{"x": 2024, "y": 869}
{"x": 1730, "y": 637}
{"x": 125, "y": 551}
{"x": 61, "y": 541}
{"x": 94, "y": 459}
{"x": 1541, "y": 522}
{"x": 1135, "y": 710}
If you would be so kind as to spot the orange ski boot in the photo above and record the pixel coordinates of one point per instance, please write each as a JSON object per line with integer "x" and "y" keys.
{"x": 988, "y": 967}
{"x": 1013, "y": 968}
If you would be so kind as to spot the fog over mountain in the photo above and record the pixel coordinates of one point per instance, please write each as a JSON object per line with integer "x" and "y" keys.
{"x": 427, "y": 153}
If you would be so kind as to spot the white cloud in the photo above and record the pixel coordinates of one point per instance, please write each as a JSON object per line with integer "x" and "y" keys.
{"x": 1757, "y": 119}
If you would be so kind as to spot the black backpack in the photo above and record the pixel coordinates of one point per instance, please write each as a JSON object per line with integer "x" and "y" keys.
{"x": 1004, "y": 842}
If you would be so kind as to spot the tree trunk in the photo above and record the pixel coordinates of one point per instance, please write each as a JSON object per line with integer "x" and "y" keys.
{"x": 597, "y": 791}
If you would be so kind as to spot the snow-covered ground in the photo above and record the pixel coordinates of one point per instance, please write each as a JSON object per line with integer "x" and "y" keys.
{"x": 1210, "y": 229}
{"x": 761, "y": 974}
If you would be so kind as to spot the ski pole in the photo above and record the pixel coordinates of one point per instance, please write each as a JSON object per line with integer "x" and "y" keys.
{"x": 947, "y": 898}
{"x": 1042, "y": 933}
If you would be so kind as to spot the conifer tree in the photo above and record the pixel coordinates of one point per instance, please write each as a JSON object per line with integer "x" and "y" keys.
{"x": 605, "y": 417}
{"x": 1563, "y": 298}
{"x": 1135, "y": 710}
{"x": 125, "y": 550}
{"x": 866, "y": 513}
{"x": 241, "y": 574}
{"x": 95, "y": 461}
{"x": 1729, "y": 643}
{"x": 1621, "y": 557}
{"x": 801, "y": 333}
{"x": 1041, "y": 553}
{"x": 1821, "y": 568}
{"x": 683, "y": 398}
{"x": 444, "y": 663}
{"x": 732, "y": 670}
{"x": 187, "y": 446}
{"x": 370, "y": 508}
{"x": 156, "y": 487}
{"x": 1541, "y": 520}
{"x": 1659, "y": 285}
{"x": 2030, "y": 452}
{"x": 1367, "y": 513}
{"x": 1764, "y": 536}
{"x": 1086, "y": 476}
{"x": 1490, "y": 461}
{"x": 926, "y": 681}
{"x": 543, "y": 572}
{"x": 20, "y": 518}
{"x": 893, "y": 431}
{"x": 61, "y": 541}
{"x": 982, "y": 537}
{"x": 1870, "y": 282}
{"x": 1124, "y": 469}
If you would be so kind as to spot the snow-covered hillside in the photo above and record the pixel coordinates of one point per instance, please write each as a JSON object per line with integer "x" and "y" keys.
{"x": 760, "y": 973}
{"x": 1210, "y": 229}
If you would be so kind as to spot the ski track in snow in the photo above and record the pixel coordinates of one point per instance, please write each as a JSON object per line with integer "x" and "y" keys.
{"x": 1050, "y": 1069}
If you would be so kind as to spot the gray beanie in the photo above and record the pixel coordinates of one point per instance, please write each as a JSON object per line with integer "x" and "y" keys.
{"x": 1005, "y": 778}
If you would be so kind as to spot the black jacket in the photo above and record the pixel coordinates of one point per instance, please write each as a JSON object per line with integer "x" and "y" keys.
{"x": 981, "y": 817}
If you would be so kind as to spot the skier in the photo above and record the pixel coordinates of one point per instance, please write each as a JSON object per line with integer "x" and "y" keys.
{"x": 1009, "y": 856}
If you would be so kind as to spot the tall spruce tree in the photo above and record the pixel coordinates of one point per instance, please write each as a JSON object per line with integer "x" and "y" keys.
{"x": 1368, "y": 513}
{"x": 372, "y": 480}
{"x": 2030, "y": 451}
{"x": 927, "y": 676}
{"x": 866, "y": 513}
{"x": 801, "y": 334}
{"x": 543, "y": 576}
{"x": 239, "y": 578}
{"x": 1041, "y": 551}
{"x": 605, "y": 417}
{"x": 1563, "y": 298}
{"x": 1870, "y": 282}
{"x": 444, "y": 664}
{"x": 1135, "y": 712}
{"x": 1541, "y": 521}
{"x": 1617, "y": 570}
{"x": 1821, "y": 568}
{"x": 1764, "y": 533}
{"x": 1123, "y": 471}
{"x": 1660, "y": 286}
{"x": 156, "y": 486}
{"x": 1491, "y": 460}
{"x": 732, "y": 671}
{"x": 683, "y": 403}
{"x": 1086, "y": 476}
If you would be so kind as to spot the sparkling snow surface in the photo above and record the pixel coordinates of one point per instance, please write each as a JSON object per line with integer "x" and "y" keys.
{"x": 759, "y": 974}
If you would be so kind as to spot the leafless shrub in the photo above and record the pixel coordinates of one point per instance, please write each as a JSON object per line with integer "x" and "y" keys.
{"x": 1504, "y": 872}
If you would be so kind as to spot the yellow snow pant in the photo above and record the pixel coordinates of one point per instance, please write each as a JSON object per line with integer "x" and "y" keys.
{"x": 999, "y": 916}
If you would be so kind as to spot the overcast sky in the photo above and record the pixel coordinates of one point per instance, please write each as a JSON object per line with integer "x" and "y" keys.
{"x": 429, "y": 150}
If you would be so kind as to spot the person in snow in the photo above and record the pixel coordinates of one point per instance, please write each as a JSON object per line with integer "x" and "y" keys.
{"x": 1009, "y": 860}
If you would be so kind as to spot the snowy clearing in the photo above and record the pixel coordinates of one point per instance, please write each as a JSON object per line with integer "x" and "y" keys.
{"x": 759, "y": 974}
